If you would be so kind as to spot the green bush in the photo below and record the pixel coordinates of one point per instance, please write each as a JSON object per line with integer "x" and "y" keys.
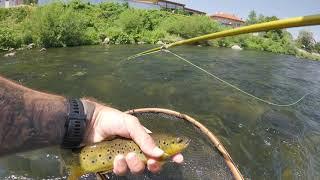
{"x": 189, "y": 26}
{"x": 7, "y": 38}
{"x": 79, "y": 22}
{"x": 55, "y": 25}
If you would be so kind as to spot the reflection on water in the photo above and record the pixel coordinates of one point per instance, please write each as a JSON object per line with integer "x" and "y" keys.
{"x": 266, "y": 142}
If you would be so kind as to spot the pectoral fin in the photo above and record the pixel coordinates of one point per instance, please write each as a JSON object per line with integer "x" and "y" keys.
{"x": 75, "y": 173}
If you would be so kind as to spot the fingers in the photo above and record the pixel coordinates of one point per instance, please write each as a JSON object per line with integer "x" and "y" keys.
{"x": 147, "y": 130}
{"x": 120, "y": 165}
{"x": 178, "y": 158}
{"x": 135, "y": 165}
{"x": 153, "y": 165}
{"x": 142, "y": 138}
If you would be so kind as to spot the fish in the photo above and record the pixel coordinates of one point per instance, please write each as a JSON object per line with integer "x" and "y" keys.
{"x": 99, "y": 157}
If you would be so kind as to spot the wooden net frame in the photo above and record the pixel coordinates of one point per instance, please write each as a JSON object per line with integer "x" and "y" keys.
{"x": 227, "y": 158}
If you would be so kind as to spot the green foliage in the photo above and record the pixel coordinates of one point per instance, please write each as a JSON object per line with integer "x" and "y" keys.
{"x": 189, "y": 26}
{"x": 7, "y": 38}
{"x": 305, "y": 40}
{"x": 317, "y": 47}
{"x": 79, "y": 22}
{"x": 252, "y": 18}
{"x": 30, "y": 2}
{"x": 56, "y": 25}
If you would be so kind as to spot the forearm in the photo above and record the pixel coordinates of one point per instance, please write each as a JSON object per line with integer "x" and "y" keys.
{"x": 29, "y": 119}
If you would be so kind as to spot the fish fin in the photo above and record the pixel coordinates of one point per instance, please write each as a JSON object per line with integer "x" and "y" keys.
{"x": 100, "y": 176}
{"x": 75, "y": 173}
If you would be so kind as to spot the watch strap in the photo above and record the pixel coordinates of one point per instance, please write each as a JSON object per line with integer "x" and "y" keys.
{"x": 75, "y": 125}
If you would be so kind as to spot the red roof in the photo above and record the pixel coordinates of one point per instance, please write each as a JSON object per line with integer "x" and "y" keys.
{"x": 227, "y": 16}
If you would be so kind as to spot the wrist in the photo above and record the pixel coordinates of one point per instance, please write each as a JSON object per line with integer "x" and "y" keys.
{"x": 89, "y": 109}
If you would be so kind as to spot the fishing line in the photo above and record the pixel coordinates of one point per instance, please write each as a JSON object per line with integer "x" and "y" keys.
{"x": 164, "y": 49}
{"x": 233, "y": 86}
{"x": 140, "y": 54}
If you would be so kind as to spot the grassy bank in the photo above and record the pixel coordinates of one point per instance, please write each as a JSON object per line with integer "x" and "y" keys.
{"x": 80, "y": 23}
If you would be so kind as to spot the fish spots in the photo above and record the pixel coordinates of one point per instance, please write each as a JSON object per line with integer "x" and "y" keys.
{"x": 84, "y": 158}
{"x": 110, "y": 157}
{"x": 92, "y": 161}
{"x": 99, "y": 155}
{"x": 103, "y": 163}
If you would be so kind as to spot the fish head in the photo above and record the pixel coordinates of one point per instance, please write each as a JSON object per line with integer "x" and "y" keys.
{"x": 172, "y": 145}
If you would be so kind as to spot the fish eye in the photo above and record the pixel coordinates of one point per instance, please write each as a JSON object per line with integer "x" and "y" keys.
{"x": 179, "y": 140}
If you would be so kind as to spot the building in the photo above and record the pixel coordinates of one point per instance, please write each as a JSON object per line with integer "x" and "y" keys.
{"x": 228, "y": 19}
{"x": 165, "y": 4}
{"x": 10, "y": 3}
{"x": 170, "y": 5}
{"x": 193, "y": 11}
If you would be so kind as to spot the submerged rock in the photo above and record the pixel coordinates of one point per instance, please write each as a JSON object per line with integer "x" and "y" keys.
{"x": 30, "y": 46}
{"x": 141, "y": 42}
{"x": 236, "y": 47}
{"x": 160, "y": 43}
{"x": 285, "y": 124}
{"x": 11, "y": 49}
{"x": 10, "y": 54}
{"x": 80, "y": 73}
{"x": 43, "y": 49}
{"x": 106, "y": 41}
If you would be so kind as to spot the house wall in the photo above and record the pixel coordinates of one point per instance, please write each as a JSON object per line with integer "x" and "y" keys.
{"x": 169, "y": 5}
{"x": 228, "y": 22}
{"x": 143, "y": 5}
{"x": 10, "y": 3}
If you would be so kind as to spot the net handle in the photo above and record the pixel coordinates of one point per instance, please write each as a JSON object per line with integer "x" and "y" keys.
{"x": 227, "y": 158}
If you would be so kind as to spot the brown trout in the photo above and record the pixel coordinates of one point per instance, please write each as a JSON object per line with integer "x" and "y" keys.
{"x": 98, "y": 157}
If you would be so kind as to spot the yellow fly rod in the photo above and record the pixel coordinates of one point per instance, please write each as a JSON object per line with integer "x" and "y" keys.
{"x": 278, "y": 24}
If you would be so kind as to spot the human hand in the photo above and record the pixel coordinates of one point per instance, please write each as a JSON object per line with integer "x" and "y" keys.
{"x": 107, "y": 122}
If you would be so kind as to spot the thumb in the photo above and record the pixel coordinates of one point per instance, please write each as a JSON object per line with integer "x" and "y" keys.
{"x": 142, "y": 138}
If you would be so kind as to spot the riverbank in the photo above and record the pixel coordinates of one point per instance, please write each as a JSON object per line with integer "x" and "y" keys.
{"x": 78, "y": 23}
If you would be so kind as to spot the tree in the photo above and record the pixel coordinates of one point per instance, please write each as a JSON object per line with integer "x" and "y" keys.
{"x": 30, "y": 2}
{"x": 252, "y": 18}
{"x": 305, "y": 40}
{"x": 317, "y": 47}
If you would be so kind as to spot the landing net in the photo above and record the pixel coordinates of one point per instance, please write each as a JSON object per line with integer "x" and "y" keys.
{"x": 205, "y": 158}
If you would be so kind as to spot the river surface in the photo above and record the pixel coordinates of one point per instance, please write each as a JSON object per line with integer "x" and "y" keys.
{"x": 266, "y": 142}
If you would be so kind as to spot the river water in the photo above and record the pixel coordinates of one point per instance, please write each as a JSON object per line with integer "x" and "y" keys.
{"x": 266, "y": 142}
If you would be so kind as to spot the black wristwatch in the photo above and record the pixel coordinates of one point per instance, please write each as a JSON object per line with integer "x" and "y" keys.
{"x": 75, "y": 125}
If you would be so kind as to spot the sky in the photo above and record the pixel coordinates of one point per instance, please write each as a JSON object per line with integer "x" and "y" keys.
{"x": 279, "y": 8}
